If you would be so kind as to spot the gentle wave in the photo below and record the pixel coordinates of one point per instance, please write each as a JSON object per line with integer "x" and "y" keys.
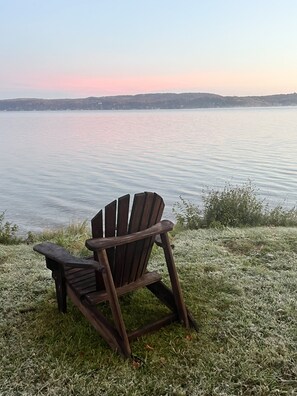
{"x": 58, "y": 167}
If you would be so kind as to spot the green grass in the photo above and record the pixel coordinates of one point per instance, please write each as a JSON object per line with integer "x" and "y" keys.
{"x": 71, "y": 237}
{"x": 240, "y": 284}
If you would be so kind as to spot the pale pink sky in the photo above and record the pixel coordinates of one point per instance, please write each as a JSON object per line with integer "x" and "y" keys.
{"x": 77, "y": 49}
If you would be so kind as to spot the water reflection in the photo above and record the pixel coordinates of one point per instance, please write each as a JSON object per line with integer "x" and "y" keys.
{"x": 60, "y": 166}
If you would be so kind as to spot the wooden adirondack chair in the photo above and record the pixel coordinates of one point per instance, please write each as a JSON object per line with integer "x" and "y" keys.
{"x": 121, "y": 249}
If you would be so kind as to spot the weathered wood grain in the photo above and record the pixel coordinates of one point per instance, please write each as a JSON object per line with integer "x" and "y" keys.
{"x": 121, "y": 246}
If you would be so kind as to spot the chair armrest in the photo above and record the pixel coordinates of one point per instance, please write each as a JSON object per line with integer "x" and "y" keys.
{"x": 105, "y": 243}
{"x": 60, "y": 255}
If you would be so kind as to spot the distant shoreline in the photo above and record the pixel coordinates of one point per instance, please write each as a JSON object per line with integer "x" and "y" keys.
{"x": 157, "y": 101}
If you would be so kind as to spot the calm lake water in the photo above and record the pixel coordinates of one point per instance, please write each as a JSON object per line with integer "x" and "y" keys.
{"x": 59, "y": 167}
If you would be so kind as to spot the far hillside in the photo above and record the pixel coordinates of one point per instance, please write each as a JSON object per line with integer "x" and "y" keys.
{"x": 149, "y": 101}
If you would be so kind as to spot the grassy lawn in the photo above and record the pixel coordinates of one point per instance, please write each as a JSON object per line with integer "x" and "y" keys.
{"x": 240, "y": 284}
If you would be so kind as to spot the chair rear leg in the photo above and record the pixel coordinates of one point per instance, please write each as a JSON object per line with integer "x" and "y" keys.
{"x": 176, "y": 289}
{"x": 164, "y": 294}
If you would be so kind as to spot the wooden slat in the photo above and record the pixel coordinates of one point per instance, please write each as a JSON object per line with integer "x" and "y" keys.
{"x": 146, "y": 279}
{"x": 122, "y": 229}
{"x": 87, "y": 279}
{"x": 135, "y": 219}
{"x": 85, "y": 286}
{"x": 141, "y": 246}
{"x": 110, "y": 229}
{"x": 136, "y": 212}
{"x": 156, "y": 211}
{"x": 85, "y": 290}
{"x": 149, "y": 219}
{"x": 123, "y": 213}
{"x": 110, "y": 219}
{"x": 166, "y": 320}
{"x": 82, "y": 283}
{"x": 70, "y": 270}
{"x": 97, "y": 225}
{"x": 73, "y": 272}
{"x": 147, "y": 211}
{"x": 97, "y": 229}
{"x": 73, "y": 277}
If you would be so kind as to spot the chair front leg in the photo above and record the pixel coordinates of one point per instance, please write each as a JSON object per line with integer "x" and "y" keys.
{"x": 114, "y": 303}
{"x": 58, "y": 276}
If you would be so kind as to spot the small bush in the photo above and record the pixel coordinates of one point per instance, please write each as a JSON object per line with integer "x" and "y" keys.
{"x": 8, "y": 232}
{"x": 280, "y": 216}
{"x": 234, "y": 206}
{"x": 187, "y": 214}
{"x": 237, "y": 206}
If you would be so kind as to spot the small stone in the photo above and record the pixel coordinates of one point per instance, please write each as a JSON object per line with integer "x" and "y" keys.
{"x": 270, "y": 256}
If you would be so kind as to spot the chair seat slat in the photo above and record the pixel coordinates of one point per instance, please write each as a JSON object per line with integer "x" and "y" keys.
{"x": 146, "y": 279}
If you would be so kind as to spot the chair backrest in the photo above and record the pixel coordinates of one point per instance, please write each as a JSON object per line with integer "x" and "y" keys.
{"x": 128, "y": 262}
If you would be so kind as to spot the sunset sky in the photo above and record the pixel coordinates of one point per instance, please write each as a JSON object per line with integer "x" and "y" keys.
{"x": 79, "y": 48}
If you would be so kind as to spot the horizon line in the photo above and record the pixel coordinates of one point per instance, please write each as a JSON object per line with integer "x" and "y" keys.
{"x": 148, "y": 93}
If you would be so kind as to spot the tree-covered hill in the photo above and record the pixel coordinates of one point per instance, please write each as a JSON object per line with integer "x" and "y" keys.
{"x": 148, "y": 101}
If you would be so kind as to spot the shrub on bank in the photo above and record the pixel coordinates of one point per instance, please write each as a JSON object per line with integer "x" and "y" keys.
{"x": 279, "y": 216}
{"x": 8, "y": 232}
{"x": 234, "y": 206}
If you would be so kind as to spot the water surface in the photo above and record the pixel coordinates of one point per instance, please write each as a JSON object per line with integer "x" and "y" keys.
{"x": 58, "y": 167}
